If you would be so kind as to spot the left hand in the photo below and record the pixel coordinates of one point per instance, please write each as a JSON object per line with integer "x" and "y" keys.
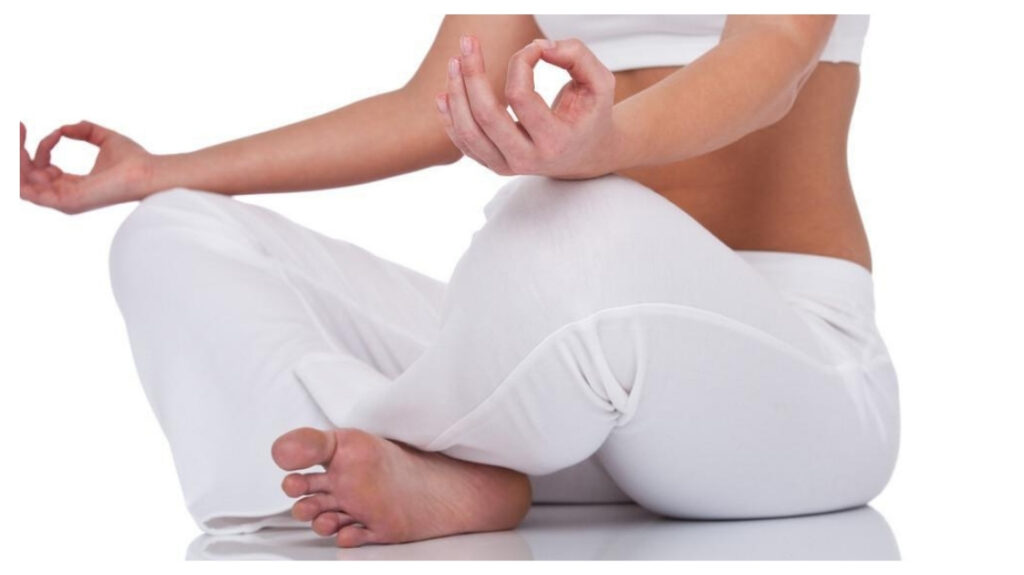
{"x": 575, "y": 138}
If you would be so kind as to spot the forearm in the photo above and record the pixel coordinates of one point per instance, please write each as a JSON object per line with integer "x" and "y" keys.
{"x": 374, "y": 138}
{"x": 746, "y": 83}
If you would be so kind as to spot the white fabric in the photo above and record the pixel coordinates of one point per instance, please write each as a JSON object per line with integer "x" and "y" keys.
{"x": 593, "y": 335}
{"x": 628, "y": 41}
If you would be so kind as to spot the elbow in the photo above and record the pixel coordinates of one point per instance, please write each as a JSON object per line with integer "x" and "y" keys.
{"x": 774, "y": 109}
{"x": 447, "y": 153}
{"x": 429, "y": 140}
{"x": 438, "y": 146}
{"x": 442, "y": 150}
{"x": 802, "y": 39}
{"x": 780, "y": 107}
{"x": 786, "y": 96}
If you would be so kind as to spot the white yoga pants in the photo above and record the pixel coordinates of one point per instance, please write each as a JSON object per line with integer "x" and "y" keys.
{"x": 593, "y": 336}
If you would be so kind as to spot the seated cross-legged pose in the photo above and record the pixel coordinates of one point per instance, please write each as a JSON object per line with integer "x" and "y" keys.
{"x": 669, "y": 303}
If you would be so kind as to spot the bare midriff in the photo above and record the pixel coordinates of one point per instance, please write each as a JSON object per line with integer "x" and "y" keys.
{"x": 782, "y": 188}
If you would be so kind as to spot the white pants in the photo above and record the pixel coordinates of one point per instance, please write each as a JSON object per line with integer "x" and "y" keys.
{"x": 593, "y": 336}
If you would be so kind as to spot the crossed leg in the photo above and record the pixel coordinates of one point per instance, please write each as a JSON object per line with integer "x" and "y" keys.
{"x": 242, "y": 323}
{"x": 595, "y": 317}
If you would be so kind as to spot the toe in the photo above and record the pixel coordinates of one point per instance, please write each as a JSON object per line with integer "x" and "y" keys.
{"x": 307, "y": 508}
{"x": 302, "y": 448}
{"x": 354, "y": 535}
{"x": 298, "y": 484}
{"x": 294, "y": 485}
{"x": 330, "y": 522}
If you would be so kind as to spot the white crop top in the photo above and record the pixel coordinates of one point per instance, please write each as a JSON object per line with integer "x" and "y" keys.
{"x": 624, "y": 42}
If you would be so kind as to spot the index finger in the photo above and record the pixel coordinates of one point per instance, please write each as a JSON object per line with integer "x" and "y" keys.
{"x": 533, "y": 112}
{"x": 85, "y": 131}
{"x": 583, "y": 66}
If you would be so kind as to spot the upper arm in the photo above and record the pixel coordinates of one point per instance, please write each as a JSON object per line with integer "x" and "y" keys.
{"x": 500, "y": 36}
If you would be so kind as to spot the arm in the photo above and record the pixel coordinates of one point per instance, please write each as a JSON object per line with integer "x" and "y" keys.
{"x": 378, "y": 137}
{"x": 747, "y": 82}
{"x": 374, "y": 138}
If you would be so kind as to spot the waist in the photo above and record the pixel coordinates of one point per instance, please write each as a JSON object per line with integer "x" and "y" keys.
{"x": 811, "y": 215}
{"x": 785, "y": 187}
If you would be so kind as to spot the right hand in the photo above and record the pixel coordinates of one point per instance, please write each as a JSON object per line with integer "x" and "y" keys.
{"x": 121, "y": 173}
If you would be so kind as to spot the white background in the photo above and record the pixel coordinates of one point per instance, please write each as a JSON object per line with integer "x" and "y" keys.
{"x": 935, "y": 158}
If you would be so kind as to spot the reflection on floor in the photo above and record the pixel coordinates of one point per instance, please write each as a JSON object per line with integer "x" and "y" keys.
{"x": 598, "y": 532}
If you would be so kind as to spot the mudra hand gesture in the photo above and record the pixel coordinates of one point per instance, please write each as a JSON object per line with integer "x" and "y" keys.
{"x": 574, "y": 138}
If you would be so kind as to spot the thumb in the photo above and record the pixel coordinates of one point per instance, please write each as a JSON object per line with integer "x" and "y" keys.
{"x": 87, "y": 132}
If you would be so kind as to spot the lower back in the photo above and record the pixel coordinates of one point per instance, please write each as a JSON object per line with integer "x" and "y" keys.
{"x": 783, "y": 188}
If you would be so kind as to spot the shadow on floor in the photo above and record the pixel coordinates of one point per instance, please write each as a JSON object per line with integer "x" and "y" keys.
{"x": 586, "y": 532}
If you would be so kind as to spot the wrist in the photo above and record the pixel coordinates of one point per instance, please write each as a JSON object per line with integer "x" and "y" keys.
{"x": 626, "y": 147}
{"x": 163, "y": 172}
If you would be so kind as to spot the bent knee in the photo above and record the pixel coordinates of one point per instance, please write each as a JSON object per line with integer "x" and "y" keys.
{"x": 574, "y": 219}
{"x": 559, "y": 237}
{"x": 541, "y": 197}
{"x": 163, "y": 207}
{"x": 166, "y": 216}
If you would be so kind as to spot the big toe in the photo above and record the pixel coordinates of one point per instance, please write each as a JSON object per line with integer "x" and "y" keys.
{"x": 302, "y": 448}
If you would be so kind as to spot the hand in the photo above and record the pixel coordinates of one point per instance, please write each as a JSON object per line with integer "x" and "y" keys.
{"x": 119, "y": 174}
{"x": 574, "y": 138}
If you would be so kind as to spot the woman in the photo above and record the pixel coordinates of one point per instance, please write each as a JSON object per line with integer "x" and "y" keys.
{"x": 671, "y": 303}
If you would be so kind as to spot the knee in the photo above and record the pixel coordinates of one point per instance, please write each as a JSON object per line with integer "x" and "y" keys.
{"x": 541, "y": 209}
{"x": 551, "y": 238}
{"x": 161, "y": 217}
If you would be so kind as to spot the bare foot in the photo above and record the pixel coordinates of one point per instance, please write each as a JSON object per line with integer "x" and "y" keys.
{"x": 378, "y": 491}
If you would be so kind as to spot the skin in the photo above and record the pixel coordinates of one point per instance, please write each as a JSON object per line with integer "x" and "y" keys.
{"x": 750, "y": 139}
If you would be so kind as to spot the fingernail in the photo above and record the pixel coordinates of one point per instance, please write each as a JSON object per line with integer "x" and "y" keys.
{"x": 442, "y": 103}
{"x": 453, "y": 67}
{"x": 466, "y": 44}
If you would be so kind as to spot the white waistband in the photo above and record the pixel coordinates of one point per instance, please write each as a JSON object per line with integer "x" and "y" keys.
{"x": 818, "y": 277}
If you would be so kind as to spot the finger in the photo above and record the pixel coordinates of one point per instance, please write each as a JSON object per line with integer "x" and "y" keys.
{"x": 488, "y": 112}
{"x": 86, "y": 131}
{"x": 442, "y": 101}
{"x": 466, "y": 131}
{"x": 446, "y": 120}
{"x": 42, "y": 157}
{"x": 583, "y": 66}
{"x": 26, "y": 161}
{"x": 449, "y": 127}
{"x": 533, "y": 112}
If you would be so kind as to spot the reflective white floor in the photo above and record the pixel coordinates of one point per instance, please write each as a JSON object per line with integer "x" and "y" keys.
{"x": 588, "y": 532}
